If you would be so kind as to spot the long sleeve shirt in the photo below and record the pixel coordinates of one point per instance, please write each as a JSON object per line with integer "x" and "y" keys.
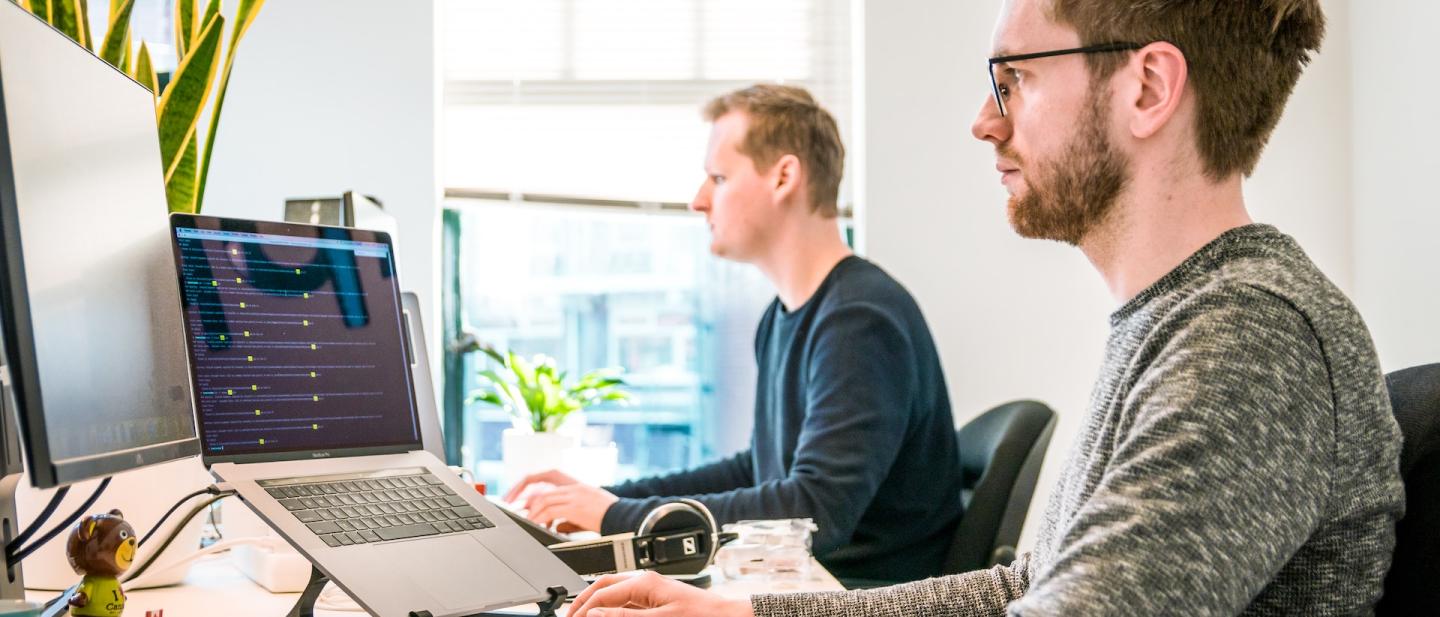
{"x": 852, "y": 429}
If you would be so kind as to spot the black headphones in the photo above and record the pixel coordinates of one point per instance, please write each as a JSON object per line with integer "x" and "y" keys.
{"x": 678, "y": 537}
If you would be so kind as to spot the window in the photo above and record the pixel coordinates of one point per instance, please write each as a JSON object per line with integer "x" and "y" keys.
{"x": 572, "y": 142}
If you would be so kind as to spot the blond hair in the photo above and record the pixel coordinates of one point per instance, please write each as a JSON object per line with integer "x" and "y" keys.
{"x": 787, "y": 120}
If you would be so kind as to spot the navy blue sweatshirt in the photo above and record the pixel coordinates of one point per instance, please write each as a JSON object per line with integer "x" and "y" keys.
{"x": 852, "y": 429}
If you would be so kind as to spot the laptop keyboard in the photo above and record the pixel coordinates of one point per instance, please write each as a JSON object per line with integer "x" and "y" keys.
{"x": 375, "y": 507}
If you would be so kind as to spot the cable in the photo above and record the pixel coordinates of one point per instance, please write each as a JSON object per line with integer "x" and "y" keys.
{"x": 209, "y": 489}
{"x": 39, "y": 520}
{"x": 17, "y": 556}
{"x": 154, "y": 556}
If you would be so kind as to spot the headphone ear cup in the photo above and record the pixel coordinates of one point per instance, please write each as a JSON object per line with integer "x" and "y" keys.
{"x": 683, "y": 515}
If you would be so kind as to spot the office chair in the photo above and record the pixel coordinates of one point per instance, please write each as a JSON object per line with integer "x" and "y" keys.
{"x": 1000, "y": 456}
{"x": 1413, "y": 585}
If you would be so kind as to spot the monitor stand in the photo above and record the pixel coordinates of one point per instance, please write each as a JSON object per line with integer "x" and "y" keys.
{"x": 12, "y": 584}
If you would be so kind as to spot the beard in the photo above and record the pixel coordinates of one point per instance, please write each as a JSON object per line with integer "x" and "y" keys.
{"x": 1073, "y": 194}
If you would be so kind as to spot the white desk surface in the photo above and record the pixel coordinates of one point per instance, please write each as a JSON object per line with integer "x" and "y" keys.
{"x": 216, "y": 589}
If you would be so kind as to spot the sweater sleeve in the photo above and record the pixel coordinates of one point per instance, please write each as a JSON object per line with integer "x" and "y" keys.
{"x": 1221, "y": 469}
{"x": 982, "y": 593}
{"x": 719, "y": 476}
{"x": 861, "y": 379}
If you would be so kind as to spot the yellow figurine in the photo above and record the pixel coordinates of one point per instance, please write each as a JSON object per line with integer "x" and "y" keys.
{"x": 101, "y": 547}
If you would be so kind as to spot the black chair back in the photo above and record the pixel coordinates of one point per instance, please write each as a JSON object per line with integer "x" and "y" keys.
{"x": 1000, "y": 456}
{"x": 1413, "y": 585}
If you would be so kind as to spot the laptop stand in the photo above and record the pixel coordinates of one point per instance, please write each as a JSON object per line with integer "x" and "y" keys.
{"x": 305, "y": 606}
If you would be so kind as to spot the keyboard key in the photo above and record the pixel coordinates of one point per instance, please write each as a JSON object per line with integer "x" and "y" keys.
{"x": 278, "y": 493}
{"x": 356, "y": 538}
{"x": 331, "y": 540}
{"x": 480, "y": 523}
{"x": 455, "y": 501}
{"x": 324, "y": 527}
{"x": 346, "y": 525}
{"x": 429, "y": 479}
{"x": 326, "y": 515}
{"x": 407, "y": 519}
{"x": 391, "y": 520}
{"x": 370, "y": 536}
{"x": 292, "y": 504}
{"x": 407, "y": 531}
{"x": 465, "y": 511}
{"x": 307, "y": 516}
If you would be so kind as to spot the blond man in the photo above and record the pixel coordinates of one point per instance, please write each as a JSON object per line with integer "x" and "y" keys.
{"x": 852, "y": 421}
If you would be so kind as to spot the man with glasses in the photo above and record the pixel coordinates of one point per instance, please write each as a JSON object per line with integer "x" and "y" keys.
{"x": 1239, "y": 455}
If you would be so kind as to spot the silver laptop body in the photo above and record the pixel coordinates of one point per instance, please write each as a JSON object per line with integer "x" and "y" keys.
{"x": 305, "y": 404}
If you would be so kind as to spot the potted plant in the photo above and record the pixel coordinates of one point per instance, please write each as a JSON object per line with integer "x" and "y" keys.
{"x": 545, "y": 410}
{"x": 180, "y": 102}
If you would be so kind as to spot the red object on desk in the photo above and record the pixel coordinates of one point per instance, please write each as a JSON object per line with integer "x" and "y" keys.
{"x": 480, "y": 487}
{"x": 155, "y": 613}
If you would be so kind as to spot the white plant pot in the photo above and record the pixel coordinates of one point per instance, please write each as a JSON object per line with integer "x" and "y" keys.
{"x": 525, "y": 452}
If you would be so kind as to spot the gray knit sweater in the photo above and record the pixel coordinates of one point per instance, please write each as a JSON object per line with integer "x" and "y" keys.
{"x": 1239, "y": 457}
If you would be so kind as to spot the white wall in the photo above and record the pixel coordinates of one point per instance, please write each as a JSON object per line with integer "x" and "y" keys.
{"x": 1019, "y": 318}
{"x": 1396, "y": 162}
{"x": 329, "y": 95}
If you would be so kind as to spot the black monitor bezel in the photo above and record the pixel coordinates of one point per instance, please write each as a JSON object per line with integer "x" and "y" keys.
{"x": 197, "y": 221}
{"x": 20, "y": 356}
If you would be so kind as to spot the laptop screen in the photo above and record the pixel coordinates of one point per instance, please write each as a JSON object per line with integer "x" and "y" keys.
{"x": 295, "y": 340}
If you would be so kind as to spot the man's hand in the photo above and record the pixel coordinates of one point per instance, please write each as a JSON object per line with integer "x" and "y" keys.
{"x": 629, "y": 595}
{"x": 554, "y": 477}
{"x": 580, "y": 507}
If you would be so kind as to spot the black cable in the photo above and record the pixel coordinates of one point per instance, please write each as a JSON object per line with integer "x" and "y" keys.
{"x": 155, "y": 556}
{"x": 17, "y": 556}
{"x": 209, "y": 489}
{"x": 39, "y": 520}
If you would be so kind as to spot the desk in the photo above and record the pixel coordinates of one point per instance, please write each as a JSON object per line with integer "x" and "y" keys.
{"x": 216, "y": 589}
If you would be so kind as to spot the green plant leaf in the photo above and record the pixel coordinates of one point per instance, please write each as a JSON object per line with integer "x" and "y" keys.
{"x": 84, "y": 17}
{"x": 180, "y": 109}
{"x": 40, "y": 8}
{"x": 244, "y": 16}
{"x": 180, "y": 190}
{"x": 184, "y": 26}
{"x": 494, "y": 355}
{"x": 145, "y": 70}
{"x": 117, "y": 37}
{"x": 65, "y": 16}
{"x": 485, "y": 397}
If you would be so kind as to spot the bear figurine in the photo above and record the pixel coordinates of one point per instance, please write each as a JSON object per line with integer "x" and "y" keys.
{"x": 100, "y": 548}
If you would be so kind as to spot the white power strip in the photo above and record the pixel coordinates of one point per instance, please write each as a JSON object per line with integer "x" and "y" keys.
{"x": 272, "y": 565}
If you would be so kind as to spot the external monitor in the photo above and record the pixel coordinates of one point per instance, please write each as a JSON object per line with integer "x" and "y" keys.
{"x": 92, "y": 329}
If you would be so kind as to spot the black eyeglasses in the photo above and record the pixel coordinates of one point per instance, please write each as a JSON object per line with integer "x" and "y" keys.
{"x": 1002, "y": 94}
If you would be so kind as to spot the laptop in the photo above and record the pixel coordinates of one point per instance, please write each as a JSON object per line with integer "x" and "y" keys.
{"x": 305, "y": 405}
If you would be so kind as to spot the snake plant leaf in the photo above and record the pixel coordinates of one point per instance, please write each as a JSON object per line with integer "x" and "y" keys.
{"x": 184, "y": 26}
{"x": 38, "y": 8}
{"x": 65, "y": 16}
{"x": 145, "y": 70}
{"x": 180, "y": 189}
{"x": 117, "y": 38}
{"x": 84, "y": 16}
{"x": 212, "y": 9}
{"x": 181, "y": 105}
{"x": 244, "y": 16}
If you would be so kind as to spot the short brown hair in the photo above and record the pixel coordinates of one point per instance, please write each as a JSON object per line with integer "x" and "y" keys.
{"x": 787, "y": 120}
{"x": 1244, "y": 57}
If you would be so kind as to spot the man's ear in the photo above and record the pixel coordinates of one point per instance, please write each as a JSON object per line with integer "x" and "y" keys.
{"x": 1160, "y": 74}
{"x": 786, "y": 178}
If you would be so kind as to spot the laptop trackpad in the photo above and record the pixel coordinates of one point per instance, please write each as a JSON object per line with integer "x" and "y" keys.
{"x": 458, "y": 571}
